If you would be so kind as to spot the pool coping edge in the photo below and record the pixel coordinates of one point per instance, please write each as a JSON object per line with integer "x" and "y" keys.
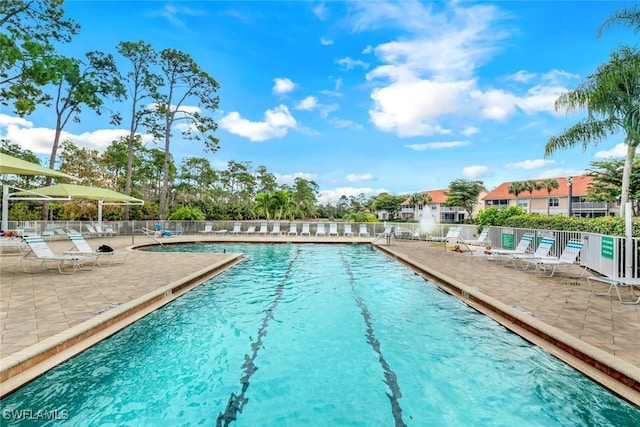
{"x": 24, "y": 366}
{"x": 617, "y": 375}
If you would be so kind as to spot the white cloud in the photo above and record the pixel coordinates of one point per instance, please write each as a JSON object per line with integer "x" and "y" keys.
{"x": 437, "y": 145}
{"x": 307, "y": 104}
{"x": 320, "y": 11}
{"x": 325, "y": 42}
{"x": 275, "y": 125}
{"x": 359, "y": 178}
{"x": 40, "y": 140}
{"x": 350, "y": 64}
{"x": 283, "y": 85}
{"x": 475, "y": 172}
{"x": 469, "y": 131}
{"x": 495, "y": 104}
{"x": 556, "y": 173}
{"x": 332, "y": 196}
{"x": 557, "y": 77}
{"x": 409, "y": 105}
{"x": 619, "y": 150}
{"x": 289, "y": 179}
{"x": 345, "y": 124}
{"x": 530, "y": 164}
{"x": 521, "y": 76}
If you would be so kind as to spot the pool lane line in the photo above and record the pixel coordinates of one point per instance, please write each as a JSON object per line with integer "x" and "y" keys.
{"x": 391, "y": 379}
{"x": 237, "y": 402}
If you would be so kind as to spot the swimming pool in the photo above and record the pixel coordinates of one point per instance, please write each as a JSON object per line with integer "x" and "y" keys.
{"x": 320, "y": 335}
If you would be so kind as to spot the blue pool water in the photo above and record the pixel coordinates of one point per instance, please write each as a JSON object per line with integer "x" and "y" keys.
{"x": 316, "y": 335}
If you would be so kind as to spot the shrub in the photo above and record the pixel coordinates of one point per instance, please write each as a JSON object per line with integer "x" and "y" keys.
{"x": 187, "y": 213}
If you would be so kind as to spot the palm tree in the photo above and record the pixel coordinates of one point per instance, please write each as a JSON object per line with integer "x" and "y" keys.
{"x": 611, "y": 97}
{"x": 549, "y": 184}
{"x": 423, "y": 198}
{"x": 530, "y": 186}
{"x": 263, "y": 204}
{"x": 516, "y": 188}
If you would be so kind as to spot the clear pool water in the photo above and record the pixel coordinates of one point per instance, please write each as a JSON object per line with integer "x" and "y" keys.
{"x": 316, "y": 335}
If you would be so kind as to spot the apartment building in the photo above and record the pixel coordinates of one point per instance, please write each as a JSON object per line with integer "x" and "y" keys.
{"x": 555, "y": 202}
{"x": 436, "y": 211}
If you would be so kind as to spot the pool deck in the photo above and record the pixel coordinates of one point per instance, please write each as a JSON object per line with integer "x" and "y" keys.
{"x": 47, "y": 317}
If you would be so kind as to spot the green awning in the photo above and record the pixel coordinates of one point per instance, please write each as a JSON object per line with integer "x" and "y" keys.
{"x": 78, "y": 192}
{"x": 14, "y": 166}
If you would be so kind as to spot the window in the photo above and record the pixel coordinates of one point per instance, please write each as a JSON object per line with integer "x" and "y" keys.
{"x": 554, "y": 202}
{"x": 523, "y": 203}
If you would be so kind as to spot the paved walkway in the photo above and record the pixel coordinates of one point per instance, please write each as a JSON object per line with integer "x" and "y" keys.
{"x": 35, "y": 308}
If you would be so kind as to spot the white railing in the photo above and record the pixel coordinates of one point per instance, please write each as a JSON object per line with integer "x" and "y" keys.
{"x": 601, "y": 254}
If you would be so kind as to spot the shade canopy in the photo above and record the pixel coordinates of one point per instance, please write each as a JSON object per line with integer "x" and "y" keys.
{"x": 15, "y": 166}
{"x": 73, "y": 191}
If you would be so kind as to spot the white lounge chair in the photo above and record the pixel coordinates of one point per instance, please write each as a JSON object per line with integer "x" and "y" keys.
{"x": 320, "y": 230}
{"x": 41, "y": 252}
{"x": 617, "y": 283}
{"x": 386, "y": 232}
{"x": 263, "y": 229}
{"x": 481, "y": 240}
{"x": 48, "y": 232}
{"x": 237, "y": 228}
{"x": 83, "y": 248}
{"x": 92, "y": 231}
{"x": 333, "y": 230}
{"x": 208, "y": 228}
{"x": 275, "y": 230}
{"x": 542, "y": 251}
{"x": 363, "y": 231}
{"x": 523, "y": 245}
{"x": 566, "y": 259}
{"x": 453, "y": 234}
{"x": 108, "y": 230}
{"x": 293, "y": 229}
{"x": 12, "y": 244}
{"x": 305, "y": 230}
{"x": 346, "y": 232}
{"x": 251, "y": 230}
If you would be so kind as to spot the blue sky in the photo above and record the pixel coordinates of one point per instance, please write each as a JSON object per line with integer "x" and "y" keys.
{"x": 365, "y": 97}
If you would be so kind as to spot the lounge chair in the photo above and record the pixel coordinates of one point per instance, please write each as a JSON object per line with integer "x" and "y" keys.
{"x": 452, "y": 234}
{"x": 41, "y": 252}
{"x": 386, "y": 232}
{"x": 208, "y": 228}
{"x": 293, "y": 229}
{"x": 523, "y": 245}
{"x": 305, "y": 230}
{"x": 12, "y": 244}
{"x": 333, "y": 230}
{"x": 48, "y": 232}
{"x": 617, "y": 283}
{"x": 363, "y": 231}
{"x": 545, "y": 246}
{"x": 320, "y": 230}
{"x": 346, "y": 232}
{"x": 83, "y": 248}
{"x": 481, "y": 240}
{"x": 108, "y": 230}
{"x": 251, "y": 230}
{"x": 275, "y": 230}
{"x": 221, "y": 231}
{"x": 237, "y": 228}
{"x": 566, "y": 259}
{"x": 92, "y": 231}
{"x": 263, "y": 229}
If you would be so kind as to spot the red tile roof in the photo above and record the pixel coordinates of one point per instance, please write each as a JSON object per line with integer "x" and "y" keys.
{"x": 579, "y": 188}
{"x": 437, "y": 196}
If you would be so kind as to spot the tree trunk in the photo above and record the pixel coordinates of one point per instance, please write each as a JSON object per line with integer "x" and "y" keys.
{"x": 626, "y": 174}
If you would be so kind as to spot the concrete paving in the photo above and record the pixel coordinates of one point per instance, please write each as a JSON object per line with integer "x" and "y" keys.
{"x": 48, "y": 307}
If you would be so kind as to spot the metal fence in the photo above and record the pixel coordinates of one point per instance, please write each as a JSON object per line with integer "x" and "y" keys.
{"x": 602, "y": 254}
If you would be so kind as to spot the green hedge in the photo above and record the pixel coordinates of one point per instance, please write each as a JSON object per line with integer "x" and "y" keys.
{"x": 612, "y": 226}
